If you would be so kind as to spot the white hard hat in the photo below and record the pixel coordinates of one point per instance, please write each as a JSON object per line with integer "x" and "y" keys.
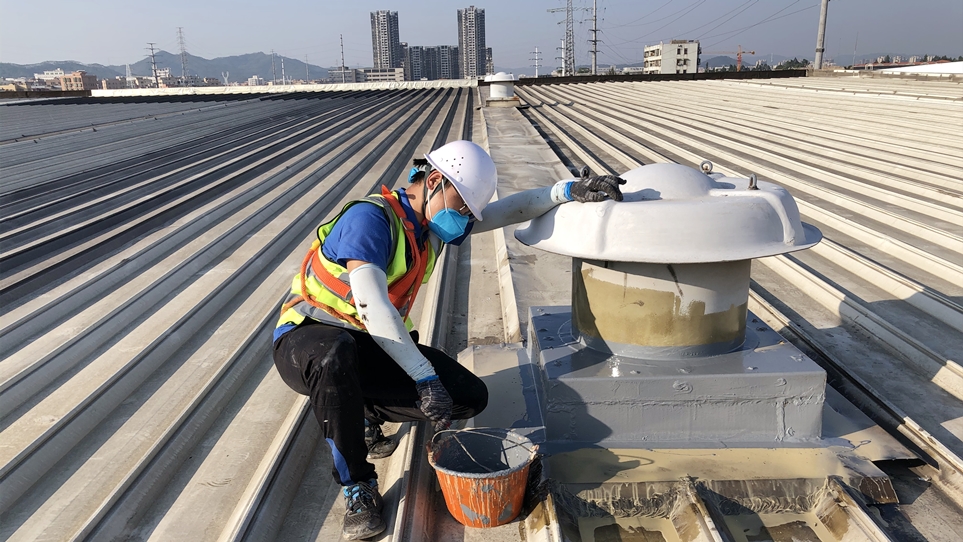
{"x": 470, "y": 170}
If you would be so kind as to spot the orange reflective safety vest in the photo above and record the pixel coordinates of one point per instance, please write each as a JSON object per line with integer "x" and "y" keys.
{"x": 322, "y": 288}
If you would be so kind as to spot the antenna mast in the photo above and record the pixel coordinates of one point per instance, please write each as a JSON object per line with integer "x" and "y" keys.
{"x": 595, "y": 36}
{"x": 536, "y": 59}
{"x": 130, "y": 82}
{"x": 183, "y": 47}
{"x": 854, "y": 50}
{"x": 153, "y": 64}
{"x": 307, "y": 76}
{"x": 342, "y": 57}
{"x": 284, "y": 80}
{"x": 274, "y": 70}
{"x": 562, "y": 58}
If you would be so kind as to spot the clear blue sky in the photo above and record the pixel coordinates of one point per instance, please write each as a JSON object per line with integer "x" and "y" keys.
{"x": 116, "y": 32}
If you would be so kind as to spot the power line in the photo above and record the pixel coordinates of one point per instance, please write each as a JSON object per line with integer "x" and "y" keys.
{"x": 620, "y": 55}
{"x": 691, "y": 30}
{"x": 630, "y": 23}
{"x": 733, "y": 33}
{"x": 690, "y": 9}
{"x": 751, "y": 3}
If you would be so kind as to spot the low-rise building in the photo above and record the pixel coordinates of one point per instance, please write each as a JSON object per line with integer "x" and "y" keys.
{"x": 633, "y": 70}
{"x": 141, "y": 81}
{"x": 78, "y": 80}
{"x": 13, "y": 86}
{"x": 366, "y": 75}
{"x": 117, "y": 83}
{"x": 178, "y": 82}
{"x": 345, "y": 75}
{"x": 49, "y": 76}
{"x": 254, "y": 81}
{"x": 677, "y": 56}
{"x": 375, "y": 75}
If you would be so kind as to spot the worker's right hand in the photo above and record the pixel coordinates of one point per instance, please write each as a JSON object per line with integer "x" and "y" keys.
{"x": 435, "y": 402}
{"x": 597, "y": 188}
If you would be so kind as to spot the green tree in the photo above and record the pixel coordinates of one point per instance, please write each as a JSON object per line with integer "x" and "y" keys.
{"x": 793, "y": 64}
{"x": 887, "y": 59}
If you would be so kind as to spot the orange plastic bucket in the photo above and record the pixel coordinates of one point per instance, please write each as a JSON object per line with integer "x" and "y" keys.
{"x": 482, "y": 473}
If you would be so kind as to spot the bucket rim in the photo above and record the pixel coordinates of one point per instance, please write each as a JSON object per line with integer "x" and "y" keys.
{"x": 518, "y": 439}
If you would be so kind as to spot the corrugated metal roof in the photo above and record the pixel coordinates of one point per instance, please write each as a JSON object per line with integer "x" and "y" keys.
{"x": 143, "y": 264}
{"x": 874, "y": 163}
{"x": 877, "y": 174}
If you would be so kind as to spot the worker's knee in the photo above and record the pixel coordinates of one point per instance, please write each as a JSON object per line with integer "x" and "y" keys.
{"x": 341, "y": 354}
{"x": 336, "y": 382}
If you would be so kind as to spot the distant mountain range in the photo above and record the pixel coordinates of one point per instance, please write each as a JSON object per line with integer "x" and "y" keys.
{"x": 240, "y": 67}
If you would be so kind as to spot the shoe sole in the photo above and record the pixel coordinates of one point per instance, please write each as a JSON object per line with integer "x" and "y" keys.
{"x": 366, "y": 535}
{"x": 383, "y": 454}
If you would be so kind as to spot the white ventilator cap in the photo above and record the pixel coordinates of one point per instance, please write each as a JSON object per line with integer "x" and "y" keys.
{"x": 470, "y": 170}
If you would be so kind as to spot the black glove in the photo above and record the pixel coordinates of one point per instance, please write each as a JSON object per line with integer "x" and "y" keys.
{"x": 435, "y": 403}
{"x": 597, "y": 188}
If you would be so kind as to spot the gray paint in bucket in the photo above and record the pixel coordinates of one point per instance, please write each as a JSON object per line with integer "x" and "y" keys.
{"x": 481, "y": 453}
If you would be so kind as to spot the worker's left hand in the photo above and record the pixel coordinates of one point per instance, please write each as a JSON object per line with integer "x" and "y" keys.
{"x": 435, "y": 402}
{"x": 597, "y": 188}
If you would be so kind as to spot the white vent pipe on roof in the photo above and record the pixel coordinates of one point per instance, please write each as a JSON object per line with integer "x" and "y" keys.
{"x": 665, "y": 273}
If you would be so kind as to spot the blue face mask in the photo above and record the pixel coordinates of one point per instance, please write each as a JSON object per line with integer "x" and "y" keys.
{"x": 448, "y": 224}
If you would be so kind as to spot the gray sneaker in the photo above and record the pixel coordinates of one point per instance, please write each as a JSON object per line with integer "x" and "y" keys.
{"x": 379, "y": 446}
{"x": 362, "y": 515}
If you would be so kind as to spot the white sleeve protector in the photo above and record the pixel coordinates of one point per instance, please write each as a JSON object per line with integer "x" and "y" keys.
{"x": 385, "y": 325}
{"x": 522, "y": 206}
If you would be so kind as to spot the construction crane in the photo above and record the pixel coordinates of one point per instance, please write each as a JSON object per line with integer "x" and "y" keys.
{"x": 737, "y": 52}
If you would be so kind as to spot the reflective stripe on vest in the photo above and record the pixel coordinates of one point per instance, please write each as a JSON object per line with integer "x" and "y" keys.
{"x": 327, "y": 283}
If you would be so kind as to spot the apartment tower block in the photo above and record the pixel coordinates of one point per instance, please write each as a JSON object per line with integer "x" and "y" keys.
{"x": 471, "y": 42}
{"x": 385, "y": 40}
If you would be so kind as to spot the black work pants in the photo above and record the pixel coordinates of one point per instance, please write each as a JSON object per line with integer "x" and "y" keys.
{"x": 349, "y": 378}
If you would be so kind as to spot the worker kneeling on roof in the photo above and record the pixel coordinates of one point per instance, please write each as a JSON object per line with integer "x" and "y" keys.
{"x": 345, "y": 338}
